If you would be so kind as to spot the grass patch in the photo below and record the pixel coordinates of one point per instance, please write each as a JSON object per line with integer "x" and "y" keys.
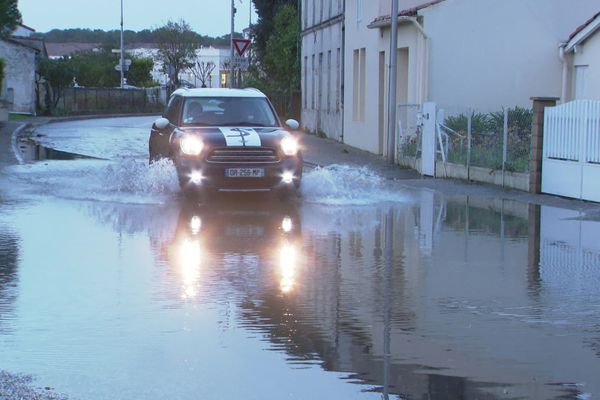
{"x": 17, "y": 117}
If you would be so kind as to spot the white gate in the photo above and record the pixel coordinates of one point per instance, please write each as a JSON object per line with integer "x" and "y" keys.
{"x": 428, "y": 141}
{"x": 571, "y": 164}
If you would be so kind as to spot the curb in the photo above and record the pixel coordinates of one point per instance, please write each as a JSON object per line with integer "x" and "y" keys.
{"x": 13, "y": 141}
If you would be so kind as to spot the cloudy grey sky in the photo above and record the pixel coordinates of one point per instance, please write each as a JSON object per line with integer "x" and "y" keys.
{"x": 207, "y": 17}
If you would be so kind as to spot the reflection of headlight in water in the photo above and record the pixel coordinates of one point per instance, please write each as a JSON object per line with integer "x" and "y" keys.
{"x": 190, "y": 256}
{"x": 195, "y": 225}
{"x": 196, "y": 177}
{"x": 287, "y": 177}
{"x": 287, "y": 265}
{"x": 286, "y": 224}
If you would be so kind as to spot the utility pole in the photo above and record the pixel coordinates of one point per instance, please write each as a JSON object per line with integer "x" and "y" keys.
{"x": 231, "y": 68}
{"x": 122, "y": 63}
{"x": 391, "y": 139}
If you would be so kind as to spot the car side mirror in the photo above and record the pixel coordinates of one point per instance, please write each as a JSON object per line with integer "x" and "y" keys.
{"x": 161, "y": 123}
{"x": 292, "y": 124}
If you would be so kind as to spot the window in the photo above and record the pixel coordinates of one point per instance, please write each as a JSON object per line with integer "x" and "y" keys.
{"x": 173, "y": 109}
{"x": 228, "y": 111}
{"x": 304, "y": 14}
{"x": 359, "y": 82}
{"x": 355, "y": 84}
{"x": 305, "y": 82}
{"x": 329, "y": 80}
{"x": 338, "y": 84}
{"x": 320, "y": 82}
{"x": 321, "y": 7}
{"x": 313, "y": 81}
{"x": 359, "y": 11}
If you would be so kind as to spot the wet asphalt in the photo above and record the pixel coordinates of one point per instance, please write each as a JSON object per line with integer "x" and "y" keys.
{"x": 377, "y": 283}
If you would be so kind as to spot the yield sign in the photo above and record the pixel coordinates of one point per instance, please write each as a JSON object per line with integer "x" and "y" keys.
{"x": 241, "y": 45}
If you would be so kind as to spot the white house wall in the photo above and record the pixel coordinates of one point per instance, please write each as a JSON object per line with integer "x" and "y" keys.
{"x": 368, "y": 129}
{"x": 588, "y": 54}
{"x": 322, "y": 42}
{"x": 492, "y": 53}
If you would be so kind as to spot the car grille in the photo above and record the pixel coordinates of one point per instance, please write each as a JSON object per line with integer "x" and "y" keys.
{"x": 243, "y": 155}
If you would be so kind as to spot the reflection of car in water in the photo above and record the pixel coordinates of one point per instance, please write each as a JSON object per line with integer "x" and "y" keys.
{"x": 219, "y": 236}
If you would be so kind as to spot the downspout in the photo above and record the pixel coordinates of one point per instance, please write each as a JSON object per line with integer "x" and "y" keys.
{"x": 565, "y": 72}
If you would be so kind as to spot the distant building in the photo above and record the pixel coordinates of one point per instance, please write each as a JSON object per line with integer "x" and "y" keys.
{"x": 215, "y": 55}
{"x": 582, "y": 62}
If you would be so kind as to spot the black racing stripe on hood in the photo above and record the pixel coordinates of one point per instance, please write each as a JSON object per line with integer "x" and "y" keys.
{"x": 269, "y": 137}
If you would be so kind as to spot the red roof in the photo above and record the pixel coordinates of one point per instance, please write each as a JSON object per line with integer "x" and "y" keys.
{"x": 409, "y": 12}
{"x": 65, "y": 49}
{"x": 582, "y": 27}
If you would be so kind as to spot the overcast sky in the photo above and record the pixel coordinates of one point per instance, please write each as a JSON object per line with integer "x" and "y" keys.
{"x": 207, "y": 17}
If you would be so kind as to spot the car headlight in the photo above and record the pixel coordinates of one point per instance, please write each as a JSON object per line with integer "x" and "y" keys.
{"x": 191, "y": 145}
{"x": 289, "y": 145}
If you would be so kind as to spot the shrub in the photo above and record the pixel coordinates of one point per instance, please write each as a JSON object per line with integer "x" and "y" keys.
{"x": 2, "y": 64}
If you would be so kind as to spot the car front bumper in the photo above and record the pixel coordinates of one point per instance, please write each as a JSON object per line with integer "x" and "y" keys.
{"x": 201, "y": 174}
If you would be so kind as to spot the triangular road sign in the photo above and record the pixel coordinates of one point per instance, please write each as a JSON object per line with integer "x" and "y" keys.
{"x": 241, "y": 45}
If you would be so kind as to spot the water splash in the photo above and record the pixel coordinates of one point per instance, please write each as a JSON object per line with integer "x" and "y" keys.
{"x": 348, "y": 186}
{"x": 137, "y": 177}
{"x": 125, "y": 181}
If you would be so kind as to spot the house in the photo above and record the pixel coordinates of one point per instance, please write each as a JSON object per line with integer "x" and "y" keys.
{"x": 461, "y": 54}
{"x": 322, "y": 64}
{"x": 581, "y": 78}
{"x": 19, "y": 84}
{"x": 23, "y": 31}
{"x": 366, "y": 67}
{"x": 215, "y": 55}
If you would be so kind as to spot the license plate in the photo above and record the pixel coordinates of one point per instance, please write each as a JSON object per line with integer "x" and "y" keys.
{"x": 244, "y": 172}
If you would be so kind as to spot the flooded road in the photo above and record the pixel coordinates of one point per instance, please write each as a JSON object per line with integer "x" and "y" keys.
{"x": 114, "y": 287}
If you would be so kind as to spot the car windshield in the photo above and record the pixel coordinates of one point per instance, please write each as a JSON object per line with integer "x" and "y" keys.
{"x": 228, "y": 111}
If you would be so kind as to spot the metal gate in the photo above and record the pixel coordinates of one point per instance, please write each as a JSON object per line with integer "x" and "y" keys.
{"x": 571, "y": 164}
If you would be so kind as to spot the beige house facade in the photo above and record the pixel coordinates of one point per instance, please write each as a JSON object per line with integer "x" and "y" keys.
{"x": 479, "y": 54}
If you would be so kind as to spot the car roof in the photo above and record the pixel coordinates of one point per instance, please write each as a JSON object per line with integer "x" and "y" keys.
{"x": 219, "y": 92}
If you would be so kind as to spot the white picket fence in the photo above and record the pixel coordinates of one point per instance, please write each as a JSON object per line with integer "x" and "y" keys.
{"x": 571, "y": 165}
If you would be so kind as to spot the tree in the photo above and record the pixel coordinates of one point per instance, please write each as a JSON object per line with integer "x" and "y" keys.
{"x": 263, "y": 29}
{"x": 177, "y": 45}
{"x": 280, "y": 62}
{"x": 278, "y": 71}
{"x": 140, "y": 72}
{"x": 59, "y": 75}
{"x": 202, "y": 71}
{"x": 10, "y": 17}
{"x": 2, "y": 64}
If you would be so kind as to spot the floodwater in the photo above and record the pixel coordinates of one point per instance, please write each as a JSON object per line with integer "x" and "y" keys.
{"x": 114, "y": 287}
